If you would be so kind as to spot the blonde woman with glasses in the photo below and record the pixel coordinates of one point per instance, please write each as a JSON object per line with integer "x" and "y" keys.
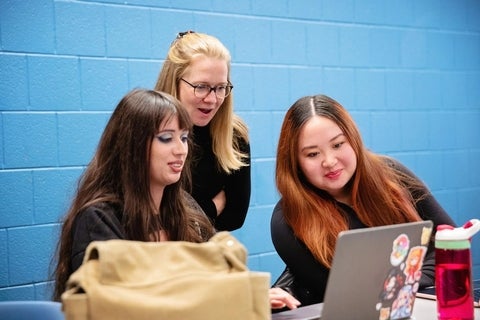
{"x": 197, "y": 72}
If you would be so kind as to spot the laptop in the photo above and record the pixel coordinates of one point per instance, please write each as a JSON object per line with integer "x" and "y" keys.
{"x": 429, "y": 293}
{"x": 375, "y": 274}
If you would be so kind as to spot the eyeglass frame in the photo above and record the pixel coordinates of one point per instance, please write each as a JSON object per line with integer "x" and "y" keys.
{"x": 214, "y": 89}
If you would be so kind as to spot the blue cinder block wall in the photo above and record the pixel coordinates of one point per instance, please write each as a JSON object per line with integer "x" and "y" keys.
{"x": 409, "y": 72}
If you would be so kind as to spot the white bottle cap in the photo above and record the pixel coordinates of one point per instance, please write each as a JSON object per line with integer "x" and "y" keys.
{"x": 465, "y": 232}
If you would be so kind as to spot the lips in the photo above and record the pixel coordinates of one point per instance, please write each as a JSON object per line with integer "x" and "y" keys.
{"x": 176, "y": 166}
{"x": 333, "y": 174}
{"x": 205, "y": 111}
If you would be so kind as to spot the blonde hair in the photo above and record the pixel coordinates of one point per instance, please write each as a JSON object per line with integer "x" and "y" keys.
{"x": 227, "y": 129}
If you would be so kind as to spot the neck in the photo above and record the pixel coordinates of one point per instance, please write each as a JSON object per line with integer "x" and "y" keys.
{"x": 344, "y": 196}
{"x": 156, "y": 193}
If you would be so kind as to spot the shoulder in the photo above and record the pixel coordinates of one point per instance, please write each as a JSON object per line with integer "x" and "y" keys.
{"x": 101, "y": 221}
{"x": 191, "y": 203}
{"x": 101, "y": 209}
{"x": 391, "y": 162}
{"x": 97, "y": 222}
{"x": 398, "y": 166}
{"x": 244, "y": 146}
{"x": 99, "y": 214}
{"x": 280, "y": 230}
{"x": 277, "y": 214}
{"x": 407, "y": 177}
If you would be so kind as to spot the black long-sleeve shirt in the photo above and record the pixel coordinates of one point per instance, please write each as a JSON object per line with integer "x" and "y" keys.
{"x": 104, "y": 221}
{"x": 98, "y": 222}
{"x": 312, "y": 276}
{"x": 208, "y": 180}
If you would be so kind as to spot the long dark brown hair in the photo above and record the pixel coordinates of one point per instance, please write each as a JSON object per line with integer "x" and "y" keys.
{"x": 119, "y": 175}
{"x": 381, "y": 194}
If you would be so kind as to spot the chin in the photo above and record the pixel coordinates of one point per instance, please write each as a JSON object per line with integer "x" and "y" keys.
{"x": 202, "y": 123}
{"x": 173, "y": 180}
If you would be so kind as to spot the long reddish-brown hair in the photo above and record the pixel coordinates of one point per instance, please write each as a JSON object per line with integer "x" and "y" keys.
{"x": 381, "y": 194}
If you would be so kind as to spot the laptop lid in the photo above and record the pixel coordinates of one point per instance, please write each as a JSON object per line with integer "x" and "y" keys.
{"x": 376, "y": 272}
{"x": 374, "y": 275}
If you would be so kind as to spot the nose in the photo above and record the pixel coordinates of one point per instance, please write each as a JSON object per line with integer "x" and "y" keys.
{"x": 329, "y": 160}
{"x": 211, "y": 96}
{"x": 180, "y": 148}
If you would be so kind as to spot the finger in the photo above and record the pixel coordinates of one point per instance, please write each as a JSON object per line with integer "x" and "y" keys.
{"x": 277, "y": 304}
{"x": 292, "y": 304}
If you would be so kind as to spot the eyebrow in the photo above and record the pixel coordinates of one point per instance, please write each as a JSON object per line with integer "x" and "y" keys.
{"x": 208, "y": 84}
{"x": 315, "y": 146}
{"x": 173, "y": 130}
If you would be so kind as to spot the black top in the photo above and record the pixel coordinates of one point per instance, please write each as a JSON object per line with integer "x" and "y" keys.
{"x": 311, "y": 275}
{"x": 104, "y": 221}
{"x": 96, "y": 223}
{"x": 208, "y": 180}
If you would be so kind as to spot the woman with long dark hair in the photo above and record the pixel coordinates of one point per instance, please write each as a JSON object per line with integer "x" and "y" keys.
{"x": 133, "y": 188}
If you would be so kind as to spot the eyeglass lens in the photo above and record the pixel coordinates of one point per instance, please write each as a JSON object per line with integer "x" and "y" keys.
{"x": 201, "y": 91}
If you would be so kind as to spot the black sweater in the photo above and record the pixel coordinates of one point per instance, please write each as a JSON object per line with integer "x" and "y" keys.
{"x": 208, "y": 180}
{"x": 96, "y": 223}
{"x": 103, "y": 221}
{"x": 312, "y": 276}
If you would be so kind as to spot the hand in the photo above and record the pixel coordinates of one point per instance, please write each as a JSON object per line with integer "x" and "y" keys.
{"x": 163, "y": 235}
{"x": 159, "y": 235}
{"x": 220, "y": 201}
{"x": 280, "y": 298}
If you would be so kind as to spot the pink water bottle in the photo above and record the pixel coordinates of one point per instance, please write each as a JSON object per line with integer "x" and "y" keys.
{"x": 453, "y": 271}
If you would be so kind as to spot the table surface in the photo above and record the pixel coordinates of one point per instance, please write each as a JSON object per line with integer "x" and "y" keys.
{"x": 424, "y": 309}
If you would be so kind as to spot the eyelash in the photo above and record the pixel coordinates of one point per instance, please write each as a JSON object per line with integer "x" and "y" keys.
{"x": 336, "y": 146}
{"x": 205, "y": 86}
{"x": 164, "y": 139}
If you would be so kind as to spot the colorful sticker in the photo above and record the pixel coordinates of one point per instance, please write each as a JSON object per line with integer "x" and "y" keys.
{"x": 403, "y": 304}
{"x": 399, "y": 249}
{"x": 384, "y": 314}
{"x": 394, "y": 281}
{"x": 413, "y": 264}
{"x": 401, "y": 283}
{"x": 426, "y": 234}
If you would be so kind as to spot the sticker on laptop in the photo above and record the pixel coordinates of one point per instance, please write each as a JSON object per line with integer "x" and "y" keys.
{"x": 399, "y": 249}
{"x": 401, "y": 283}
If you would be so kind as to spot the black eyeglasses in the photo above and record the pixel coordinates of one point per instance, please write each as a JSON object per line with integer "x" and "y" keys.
{"x": 203, "y": 90}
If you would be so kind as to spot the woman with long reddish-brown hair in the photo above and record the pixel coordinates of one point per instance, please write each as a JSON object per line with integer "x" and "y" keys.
{"x": 330, "y": 182}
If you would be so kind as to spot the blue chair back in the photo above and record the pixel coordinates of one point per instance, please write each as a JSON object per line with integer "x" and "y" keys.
{"x": 23, "y": 310}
